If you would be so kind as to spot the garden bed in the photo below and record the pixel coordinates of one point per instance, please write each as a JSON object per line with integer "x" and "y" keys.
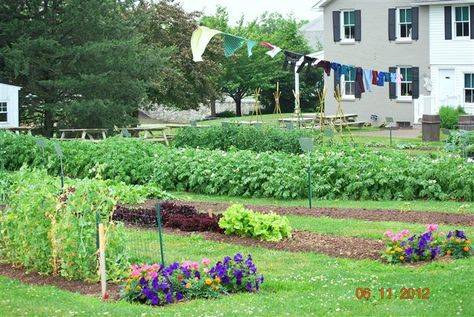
{"x": 466, "y": 220}
{"x": 84, "y": 288}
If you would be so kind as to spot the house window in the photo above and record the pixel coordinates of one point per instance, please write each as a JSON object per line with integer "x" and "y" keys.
{"x": 405, "y": 88}
{"x": 461, "y": 21}
{"x": 3, "y": 112}
{"x": 404, "y": 23}
{"x": 469, "y": 88}
{"x": 348, "y": 84}
{"x": 348, "y": 25}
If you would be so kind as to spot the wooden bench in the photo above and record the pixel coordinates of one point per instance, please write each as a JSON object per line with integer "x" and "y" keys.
{"x": 359, "y": 124}
{"x": 83, "y": 134}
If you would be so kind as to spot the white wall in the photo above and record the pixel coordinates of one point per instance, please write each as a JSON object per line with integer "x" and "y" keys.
{"x": 457, "y": 54}
{"x": 9, "y": 94}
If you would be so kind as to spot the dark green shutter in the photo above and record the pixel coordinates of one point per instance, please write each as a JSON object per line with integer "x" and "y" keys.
{"x": 358, "y": 25}
{"x": 416, "y": 82}
{"x": 392, "y": 87}
{"x": 392, "y": 24}
{"x": 448, "y": 20}
{"x": 336, "y": 25}
{"x": 472, "y": 21}
{"x": 414, "y": 23}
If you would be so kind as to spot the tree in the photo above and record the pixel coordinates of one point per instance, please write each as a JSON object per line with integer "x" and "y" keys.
{"x": 243, "y": 74}
{"x": 81, "y": 63}
{"x": 185, "y": 84}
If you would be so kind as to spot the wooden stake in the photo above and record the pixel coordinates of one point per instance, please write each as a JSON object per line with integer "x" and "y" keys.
{"x": 103, "y": 276}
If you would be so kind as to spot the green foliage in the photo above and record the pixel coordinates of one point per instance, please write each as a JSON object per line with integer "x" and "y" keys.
{"x": 343, "y": 173}
{"x": 461, "y": 141}
{"x": 262, "y": 139}
{"x": 244, "y": 222}
{"x": 450, "y": 116}
{"x": 51, "y": 233}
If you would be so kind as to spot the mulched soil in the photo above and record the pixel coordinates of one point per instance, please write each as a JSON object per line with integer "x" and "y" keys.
{"x": 466, "y": 220}
{"x": 303, "y": 241}
{"x": 84, "y": 288}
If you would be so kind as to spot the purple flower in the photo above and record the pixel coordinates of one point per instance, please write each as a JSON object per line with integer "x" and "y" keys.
{"x": 169, "y": 298}
{"x": 450, "y": 234}
{"x": 238, "y": 257}
{"x": 186, "y": 272}
{"x": 179, "y": 296}
{"x": 197, "y": 274}
{"x": 225, "y": 279}
{"x": 249, "y": 286}
{"x": 459, "y": 234}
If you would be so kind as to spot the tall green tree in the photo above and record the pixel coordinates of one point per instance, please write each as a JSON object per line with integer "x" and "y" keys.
{"x": 243, "y": 74}
{"x": 81, "y": 63}
{"x": 185, "y": 84}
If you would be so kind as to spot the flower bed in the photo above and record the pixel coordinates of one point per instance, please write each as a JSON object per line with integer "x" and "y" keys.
{"x": 402, "y": 248}
{"x": 155, "y": 285}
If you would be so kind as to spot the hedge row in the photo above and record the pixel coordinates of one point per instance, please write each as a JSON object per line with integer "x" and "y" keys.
{"x": 342, "y": 173}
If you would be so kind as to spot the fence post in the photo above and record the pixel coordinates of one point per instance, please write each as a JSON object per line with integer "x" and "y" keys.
{"x": 158, "y": 219}
{"x": 103, "y": 276}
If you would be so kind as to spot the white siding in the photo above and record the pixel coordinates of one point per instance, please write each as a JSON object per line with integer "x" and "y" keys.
{"x": 9, "y": 94}
{"x": 451, "y": 52}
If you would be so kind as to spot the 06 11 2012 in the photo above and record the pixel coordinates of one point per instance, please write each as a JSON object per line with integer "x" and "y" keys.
{"x": 404, "y": 293}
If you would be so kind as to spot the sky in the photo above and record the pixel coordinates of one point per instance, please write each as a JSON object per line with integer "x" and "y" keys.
{"x": 251, "y": 9}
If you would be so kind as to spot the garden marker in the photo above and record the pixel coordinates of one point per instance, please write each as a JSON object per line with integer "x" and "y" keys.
{"x": 41, "y": 144}
{"x": 59, "y": 152}
{"x": 307, "y": 145}
{"x": 390, "y": 121}
{"x": 158, "y": 219}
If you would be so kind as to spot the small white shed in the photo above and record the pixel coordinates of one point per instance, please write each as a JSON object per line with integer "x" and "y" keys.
{"x": 9, "y": 108}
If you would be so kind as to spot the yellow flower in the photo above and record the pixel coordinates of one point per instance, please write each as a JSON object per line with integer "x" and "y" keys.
{"x": 402, "y": 258}
{"x": 127, "y": 288}
{"x": 213, "y": 287}
{"x": 399, "y": 250}
{"x": 387, "y": 251}
{"x": 444, "y": 242}
{"x": 139, "y": 287}
{"x": 129, "y": 280}
{"x": 188, "y": 285}
{"x": 392, "y": 252}
{"x": 449, "y": 252}
{"x": 208, "y": 281}
{"x": 458, "y": 240}
{"x": 217, "y": 280}
{"x": 466, "y": 248}
{"x": 468, "y": 241}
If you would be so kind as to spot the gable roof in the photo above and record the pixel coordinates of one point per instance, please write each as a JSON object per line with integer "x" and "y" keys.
{"x": 321, "y": 4}
{"x": 428, "y": 2}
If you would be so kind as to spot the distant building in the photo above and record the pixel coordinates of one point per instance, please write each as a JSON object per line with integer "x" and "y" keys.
{"x": 313, "y": 32}
{"x": 9, "y": 108}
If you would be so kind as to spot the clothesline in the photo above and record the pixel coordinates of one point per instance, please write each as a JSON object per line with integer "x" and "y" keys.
{"x": 364, "y": 78}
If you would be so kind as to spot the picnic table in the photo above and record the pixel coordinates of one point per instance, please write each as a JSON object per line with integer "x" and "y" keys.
{"x": 20, "y": 130}
{"x": 83, "y": 134}
{"x": 244, "y": 122}
{"x": 149, "y": 133}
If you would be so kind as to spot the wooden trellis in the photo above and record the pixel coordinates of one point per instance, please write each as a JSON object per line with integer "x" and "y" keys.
{"x": 277, "y": 95}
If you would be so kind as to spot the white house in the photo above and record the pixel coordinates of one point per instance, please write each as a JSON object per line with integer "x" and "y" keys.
{"x": 451, "y": 25}
{"x": 9, "y": 109}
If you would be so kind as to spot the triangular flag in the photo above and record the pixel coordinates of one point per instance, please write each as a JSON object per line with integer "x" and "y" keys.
{"x": 231, "y": 44}
{"x": 273, "y": 50}
{"x": 199, "y": 40}
{"x": 250, "y": 46}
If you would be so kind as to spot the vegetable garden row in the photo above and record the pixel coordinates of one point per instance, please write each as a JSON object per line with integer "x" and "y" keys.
{"x": 344, "y": 172}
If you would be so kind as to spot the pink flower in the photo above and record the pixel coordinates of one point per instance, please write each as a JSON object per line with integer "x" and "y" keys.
{"x": 152, "y": 274}
{"x": 432, "y": 227}
{"x": 404, "y": 232}
{"x": 206, "y": 270}
{"x": 190, "y": 265}
{"x": 397, "y": 237}
{"x": 388, "y": 234}
{"x": 206, "y": 261}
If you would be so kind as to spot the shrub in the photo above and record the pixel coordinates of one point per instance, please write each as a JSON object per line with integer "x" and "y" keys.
{"x": 425, "y": 247}
{"x": 450, "y": 116}
{"x": 258, "y": 139}
{"x": 154, "y": 285}
{"x": 462, "y": 141}
{"x": 244, "y": 222}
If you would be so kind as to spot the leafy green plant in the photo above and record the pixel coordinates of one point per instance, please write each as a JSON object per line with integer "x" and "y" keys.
{"x": 244, "y": 222}
{"x": 450, "y": 116}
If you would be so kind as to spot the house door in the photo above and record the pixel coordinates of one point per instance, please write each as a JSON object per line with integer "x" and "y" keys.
{"x": 447, "y": 92}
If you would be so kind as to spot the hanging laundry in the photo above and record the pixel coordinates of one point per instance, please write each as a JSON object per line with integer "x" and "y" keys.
{"x": 375, "y": 77}
{"x": 393, "y": 77}
{"x": 199, "y": 40}
{"x": 337, "y": 69}
{"x": 307, "y": 61}
{"x": 250, "y": 45}
{"x": 291, "y": 58}
{"x": 368, "y": 79}
{"x": 273, "y": 50}
{"x": 381, "y": 79}
{"x": 399, "y": 78}
{"x": 359, "y": 82}
{"x": 326, "y": 65}
{"x": 231, "y": 44}
{"x": 346, "y": 69}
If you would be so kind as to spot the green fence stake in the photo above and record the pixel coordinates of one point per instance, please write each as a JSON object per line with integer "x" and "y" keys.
{"x": 307, "y": 145}
{"x": 310, "y": 191}
{"x": 158, "y": 219}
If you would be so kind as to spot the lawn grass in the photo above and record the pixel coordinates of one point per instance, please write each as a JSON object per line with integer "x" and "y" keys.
{"x": 418, "y": 205}
{"x": 296, "y": 284}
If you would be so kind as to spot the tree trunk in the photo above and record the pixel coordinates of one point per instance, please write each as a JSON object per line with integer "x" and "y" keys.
{"x": 48, "y": 123}
{"x": 238, "y": 107}
{"x": 213, "y": 107}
